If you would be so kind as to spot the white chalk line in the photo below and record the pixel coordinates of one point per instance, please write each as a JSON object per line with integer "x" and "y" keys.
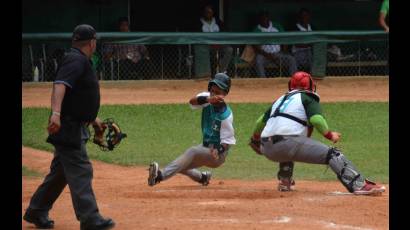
{"x": 279, "y": 220}
{"x": 338, "y": 193}
{"x": 220, "y": 202}
{"x": 209, "y": 190}
{"x": 342, "y": 226}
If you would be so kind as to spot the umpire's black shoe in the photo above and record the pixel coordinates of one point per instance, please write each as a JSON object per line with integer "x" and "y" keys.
{"x": 40, "y": 221}
{"x": 101, "y": 224}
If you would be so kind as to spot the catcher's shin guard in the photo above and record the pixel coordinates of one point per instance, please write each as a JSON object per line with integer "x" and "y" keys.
{"x": 344, "y": 169}
{"x": 285, "y": 170}
{"x": 286, "y": 183}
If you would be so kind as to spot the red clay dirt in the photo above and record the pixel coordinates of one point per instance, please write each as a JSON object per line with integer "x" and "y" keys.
{"x": 123, "y": 194}
{"x": 242, "y": 90}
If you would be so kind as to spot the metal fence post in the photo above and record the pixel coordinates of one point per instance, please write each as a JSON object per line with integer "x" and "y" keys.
{"x": 162, "y": 62}
{"x": 280, "y": 66}
{"x": 118, "y": 69}
{"x": 55, "y": 65}
{"x": 42, "y": 69}
{"x": 189, "y": 61}
{"x": 45, "y": 62}
{"x": 112, "y": 68}
{"x": 360, "y": 54}
{"x": 236, "y": 62}
{"x": 31, "y": 57}
{"x": 387, "y": 58}
{"x": 179, "y": 73}
{"x": 217, "y": 62}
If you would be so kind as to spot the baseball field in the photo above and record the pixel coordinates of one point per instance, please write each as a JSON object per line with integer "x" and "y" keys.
{"x": 242, "y": 194}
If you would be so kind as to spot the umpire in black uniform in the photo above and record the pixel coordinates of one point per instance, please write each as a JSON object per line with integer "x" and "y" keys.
{"x": 75, "y": 102}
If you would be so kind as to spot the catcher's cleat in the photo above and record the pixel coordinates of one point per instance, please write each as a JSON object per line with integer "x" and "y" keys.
{"x": 286, "y": 185}
{"x": 370, "y": 188}
{"x": 153, "y": 174}
{"x": 206, "y": 177}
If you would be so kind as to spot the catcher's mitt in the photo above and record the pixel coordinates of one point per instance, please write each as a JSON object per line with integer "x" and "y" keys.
{"x": 112, "y": 138}
{"x": 255, "y": 143}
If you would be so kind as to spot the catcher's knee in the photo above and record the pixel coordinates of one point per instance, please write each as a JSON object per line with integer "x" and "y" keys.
{"x": 344, "y": 169}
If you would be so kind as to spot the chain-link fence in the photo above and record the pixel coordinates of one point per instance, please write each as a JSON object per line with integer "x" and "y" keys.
{"x": 125, "y": 61}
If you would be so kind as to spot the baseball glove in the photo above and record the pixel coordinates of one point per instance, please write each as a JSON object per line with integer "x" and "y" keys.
{"x": 110, "y": 139}
{"x": 255, "y": 143}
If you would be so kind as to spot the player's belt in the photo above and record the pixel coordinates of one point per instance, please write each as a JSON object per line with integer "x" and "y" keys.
{"x": 274, "y": 139}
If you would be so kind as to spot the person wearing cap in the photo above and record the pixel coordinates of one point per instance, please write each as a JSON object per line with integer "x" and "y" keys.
{"x": 75, "y": 102}
{"x": 218, "y": 136}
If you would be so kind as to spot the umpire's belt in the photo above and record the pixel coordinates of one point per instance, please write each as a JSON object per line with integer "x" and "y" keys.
{"x": 274, "y": 139}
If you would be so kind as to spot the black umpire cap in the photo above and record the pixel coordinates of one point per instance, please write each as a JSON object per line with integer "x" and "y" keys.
{"x": 84, "y": 32}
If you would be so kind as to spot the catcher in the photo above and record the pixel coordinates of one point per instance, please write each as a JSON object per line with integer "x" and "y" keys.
{"x": 218, "y": 136}
{"x": 283, "y": 133}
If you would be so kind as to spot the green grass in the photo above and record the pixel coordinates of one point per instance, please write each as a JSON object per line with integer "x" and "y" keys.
{"x": 29, "y": 173}
{"x": 163, "y": 132}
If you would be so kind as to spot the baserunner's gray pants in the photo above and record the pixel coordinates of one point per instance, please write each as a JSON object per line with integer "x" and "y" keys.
{"x": 307, "y": 150}
{"x": 194, "y": 157}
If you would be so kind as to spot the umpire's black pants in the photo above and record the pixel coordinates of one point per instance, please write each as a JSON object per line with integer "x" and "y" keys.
{"x": 73, "y": 167}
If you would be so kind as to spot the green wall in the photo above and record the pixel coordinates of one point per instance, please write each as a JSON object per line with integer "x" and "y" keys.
{"x": 326, "y": 14}
{"x": 62, "y": 16}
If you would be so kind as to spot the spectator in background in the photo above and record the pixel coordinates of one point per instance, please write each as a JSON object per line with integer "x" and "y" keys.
{"x": 384, "y": 13}
{"x": 208, "y": 23}
{"x": 271, "y": 53}
{"x": 128, "y": 59}
{"x": 303, "y": 52}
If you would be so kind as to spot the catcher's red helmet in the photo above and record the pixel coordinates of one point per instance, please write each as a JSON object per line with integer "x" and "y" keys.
{"x": 302, "y": 80}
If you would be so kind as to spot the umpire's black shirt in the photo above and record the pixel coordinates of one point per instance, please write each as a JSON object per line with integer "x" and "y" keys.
{"x": 82, "y": 97}
{"x": 81, "y": 100}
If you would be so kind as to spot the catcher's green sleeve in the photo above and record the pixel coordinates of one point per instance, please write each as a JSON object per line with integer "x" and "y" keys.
{"x": 261, "y": 122}
{"x": 319, "y": 122}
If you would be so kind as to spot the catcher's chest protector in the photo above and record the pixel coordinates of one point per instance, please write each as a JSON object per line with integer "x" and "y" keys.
{"x": 281, "y": 125}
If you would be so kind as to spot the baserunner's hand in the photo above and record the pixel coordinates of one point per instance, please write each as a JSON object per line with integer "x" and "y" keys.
{"x": 214, "y": 153}
{"x": 216, "y": 99}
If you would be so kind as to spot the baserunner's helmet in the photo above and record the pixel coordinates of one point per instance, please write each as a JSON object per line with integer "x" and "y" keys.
{"x": 301, "y": 80}
{"x": 222, "y": 81}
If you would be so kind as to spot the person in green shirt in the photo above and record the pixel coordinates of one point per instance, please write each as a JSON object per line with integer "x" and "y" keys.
{"x": 275, "y": 54}
{"x": 384, "y": 13}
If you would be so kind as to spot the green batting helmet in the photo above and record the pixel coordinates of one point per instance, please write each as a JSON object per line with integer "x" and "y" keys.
{"x": 222, "y": 81}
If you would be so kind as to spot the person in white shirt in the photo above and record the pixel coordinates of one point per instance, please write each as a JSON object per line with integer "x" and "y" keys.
{"x": 211, "y": 24}
{"x": 271, "y": 53}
